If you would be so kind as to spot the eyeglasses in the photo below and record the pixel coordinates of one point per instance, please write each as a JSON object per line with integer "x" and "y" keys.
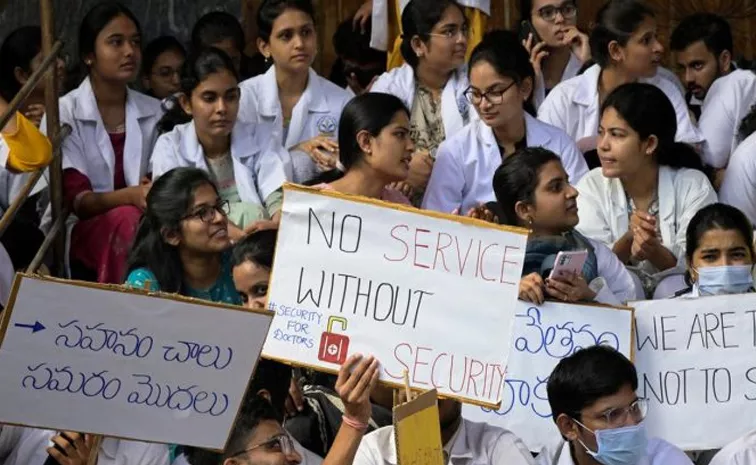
{"x": 206, "y": 213}
{"x": 493, "y": 96}
{"x": 281, "y": 443}
{"x": 549, "y": 12}
{"x": 167, "y": 73}
{"x": 618, "y": 416}
{"x": 453, "y": 33}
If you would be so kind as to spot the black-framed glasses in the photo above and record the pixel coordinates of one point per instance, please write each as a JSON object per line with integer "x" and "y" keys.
{"x": 618, "y": 416}
{"x": 493, "y": 96}
{"x": 279, "y": 443}
{"x": 549, "y": 12}
{"x": 206, "y": 213}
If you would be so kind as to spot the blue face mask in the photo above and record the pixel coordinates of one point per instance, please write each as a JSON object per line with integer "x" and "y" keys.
{"x": 719, "y": 280}
{"x": 619, "y": 446}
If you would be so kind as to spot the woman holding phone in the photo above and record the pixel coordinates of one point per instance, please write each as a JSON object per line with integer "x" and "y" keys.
{"x": 558, "y": 49}
{"x": 533, "y": 191}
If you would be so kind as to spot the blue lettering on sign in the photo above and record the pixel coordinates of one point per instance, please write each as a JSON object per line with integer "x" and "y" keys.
{"x": 561, "y": 340}
{"x": 203, "y": 355}
{"x": 97, "y": 337}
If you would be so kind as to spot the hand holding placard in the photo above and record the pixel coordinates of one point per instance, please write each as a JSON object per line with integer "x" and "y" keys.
{"x": 171, "y": 369}
{"x": 358, "y": 275}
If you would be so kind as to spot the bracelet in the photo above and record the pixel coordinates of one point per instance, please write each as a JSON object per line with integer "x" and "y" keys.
{"x": 356, "y": 424}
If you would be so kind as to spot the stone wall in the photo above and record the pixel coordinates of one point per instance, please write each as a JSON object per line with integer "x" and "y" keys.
{"x": 157, "y": 17}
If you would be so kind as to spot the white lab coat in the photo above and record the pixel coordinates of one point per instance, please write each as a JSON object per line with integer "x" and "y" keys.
{"x": 380, "y": 19}
{"x": 739, "y": 452}
{"x": 573, "y": 105}
{"x": 473, "y": 444}
{"x": 456, "y": 110}
{"x": 317, "y": 113}
{"x": 603, "y": 206}
{"x": 658, "y": 452}
{"x": 88, "y": 148}
{"x": 27, "y": 446}
{"x": 664, "y": 73}
{"x": 739, "y": 184}
{"x": 729, "y": 99}
{"x": 462, "y": 175}
{"x": 255, "y": 150}
{"x": 570, "y": 71}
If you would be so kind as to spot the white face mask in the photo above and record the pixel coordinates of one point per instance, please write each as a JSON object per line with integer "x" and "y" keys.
{"x": 721, "y": 280}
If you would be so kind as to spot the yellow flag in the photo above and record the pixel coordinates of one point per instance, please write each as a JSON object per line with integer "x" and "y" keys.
{"x": 418, "y": 431}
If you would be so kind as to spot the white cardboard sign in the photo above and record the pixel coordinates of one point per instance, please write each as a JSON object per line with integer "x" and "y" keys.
{"x": 543, "y": 335}
{"x": 84, "y": 357}
{"x": 424, "y": 292}
{"x": 696, "y": 361}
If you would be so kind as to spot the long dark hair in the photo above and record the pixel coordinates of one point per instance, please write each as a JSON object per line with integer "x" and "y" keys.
{"x": 717, "y": 216}
{"x": 257, "y": 248}
{"x": 504, "y": 52}
{"x": 169, "y": 200}
{"x": 18, "y": 51}
{"x": 270, "y": 10}
{"x": 418, "y": 19}
{"x": 516, "y": 180}
{"x": 197, "y": 68}
{"x": 96, "y": 20}
{"x": 649, "y": 112}
{"x": 616, "y": 21}
{"x": 369, "y": 112}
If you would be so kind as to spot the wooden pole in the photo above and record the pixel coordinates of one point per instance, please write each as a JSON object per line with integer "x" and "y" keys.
{"x": 29, "y": 86}
{"x": 53, "y": 129}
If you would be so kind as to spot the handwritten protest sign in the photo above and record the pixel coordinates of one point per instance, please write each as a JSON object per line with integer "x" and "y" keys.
{"x": 82, "y": 357}
{"x": 423, "y": 292}
{"x": 696, "y": 365}
{"x": 544, "y": 335}
{"x": 417, "y": 431}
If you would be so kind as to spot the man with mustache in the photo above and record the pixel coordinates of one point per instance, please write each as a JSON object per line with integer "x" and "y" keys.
{"x": 724, "y": 95}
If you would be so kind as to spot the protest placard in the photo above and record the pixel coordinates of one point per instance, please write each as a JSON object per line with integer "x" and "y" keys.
{"x": 417, "y": 431}
{"x": 104, "y": 360}
{"x": 696, "y": 366}
{"x": 544, "y": 335}
{"x": 424, "y": 292}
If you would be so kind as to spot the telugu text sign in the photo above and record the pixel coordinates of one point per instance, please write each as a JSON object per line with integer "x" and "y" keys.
{"x": 80, "y": 357}
{"x": 696, "y": 366}
{"x": 543, "y": 335}
{"x": 427, "y": 293}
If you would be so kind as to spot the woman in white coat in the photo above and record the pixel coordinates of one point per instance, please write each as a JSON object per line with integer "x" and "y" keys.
{"x": 641, "y": 199}
{"x": 433, "y": 81}
{"x": 532, "y": 191}
{"x": 501, "y": 83}
{"x": 719, "y": 252}
{"x": 739, "y": 183}
{"x": 304, "y": 107}
{"x": 106, "y": 157}
{"x": 626, "y": 49}
{"x": 558, "y": 49}
{"x": 243, "y": 159}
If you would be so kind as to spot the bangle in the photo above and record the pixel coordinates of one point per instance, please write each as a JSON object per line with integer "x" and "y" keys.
{"x": 356, "y": 424}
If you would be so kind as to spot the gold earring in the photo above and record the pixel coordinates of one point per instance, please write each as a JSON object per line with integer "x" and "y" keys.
{"x": 530, "y": 223}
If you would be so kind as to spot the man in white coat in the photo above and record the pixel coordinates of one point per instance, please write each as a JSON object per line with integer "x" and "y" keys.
{"x": 704, "y": 51}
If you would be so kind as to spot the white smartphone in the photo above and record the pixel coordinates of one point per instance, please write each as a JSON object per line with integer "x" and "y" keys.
{"x": 568, "y": 263}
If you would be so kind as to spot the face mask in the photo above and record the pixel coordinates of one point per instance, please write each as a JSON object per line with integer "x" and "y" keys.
{"x": 619, "y": 446}
{"x": 719, "y": 280}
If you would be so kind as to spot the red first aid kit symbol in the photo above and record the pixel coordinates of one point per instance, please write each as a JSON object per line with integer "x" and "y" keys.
{"x": 334, "y": 347}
